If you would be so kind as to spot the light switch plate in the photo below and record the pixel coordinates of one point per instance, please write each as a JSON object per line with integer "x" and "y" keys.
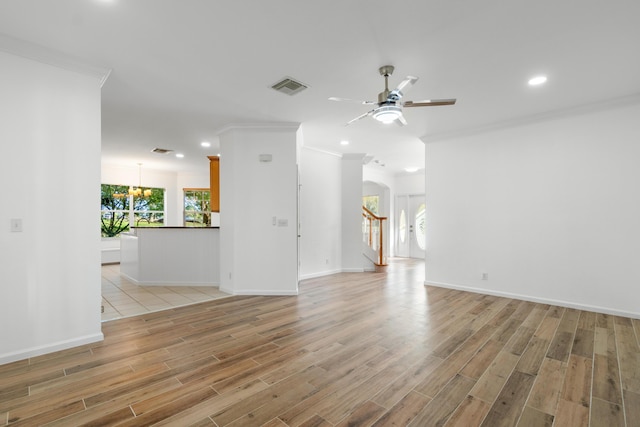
{"x": 16, "y": 224}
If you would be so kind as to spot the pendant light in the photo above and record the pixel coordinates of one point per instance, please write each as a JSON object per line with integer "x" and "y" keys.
{"x": 138, "y": 191}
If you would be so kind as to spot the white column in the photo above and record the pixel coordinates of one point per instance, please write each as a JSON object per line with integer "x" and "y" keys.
{"x": 258, "y": 209}
{"x": 50, "y": 264}
{"x": 352, "y": 258}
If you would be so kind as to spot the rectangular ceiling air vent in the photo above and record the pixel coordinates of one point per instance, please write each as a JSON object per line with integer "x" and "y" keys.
{"x": 289, "y": 86}
{"x": 161, "y": 151}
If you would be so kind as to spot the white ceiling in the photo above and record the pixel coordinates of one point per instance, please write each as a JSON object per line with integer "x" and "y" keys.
{"x": 182, "y": 70}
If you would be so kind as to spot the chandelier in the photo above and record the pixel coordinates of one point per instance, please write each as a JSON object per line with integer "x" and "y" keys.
{"x": 136, "y": 191}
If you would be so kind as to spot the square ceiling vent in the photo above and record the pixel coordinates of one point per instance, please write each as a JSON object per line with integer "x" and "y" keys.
{"x": 161, "y": 151}
{"x": 289, "y": 86}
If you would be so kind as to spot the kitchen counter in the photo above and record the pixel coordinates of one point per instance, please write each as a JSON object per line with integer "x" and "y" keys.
{"x": 171, "y": 256}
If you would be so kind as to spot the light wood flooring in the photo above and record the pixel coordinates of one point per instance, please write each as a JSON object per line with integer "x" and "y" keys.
{"x": 351, "y": 350}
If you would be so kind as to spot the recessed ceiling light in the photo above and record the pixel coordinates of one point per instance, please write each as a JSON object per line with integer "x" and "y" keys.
{"x": 179, "y": 155}
{"x": 538, "y": 80}
{"x": 411, "y": 169}
{"x": 344, "y": 142}
{"x": 205, "y": 144}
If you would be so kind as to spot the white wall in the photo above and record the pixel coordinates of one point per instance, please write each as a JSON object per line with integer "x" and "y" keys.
{"x": 50, "y": 287}
{"x": 550, "y": 210}
{"x": 258, "y": 256}
{"x": 320, "y": 214}
{"x": 410, "y": 183}
{"x": 194, "y": 179}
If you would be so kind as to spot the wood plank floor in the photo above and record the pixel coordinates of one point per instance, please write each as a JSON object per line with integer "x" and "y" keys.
{"x": 372, "y": 349}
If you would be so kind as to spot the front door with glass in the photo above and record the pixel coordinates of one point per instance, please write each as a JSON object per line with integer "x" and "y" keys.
{"x": 410, "y": 226}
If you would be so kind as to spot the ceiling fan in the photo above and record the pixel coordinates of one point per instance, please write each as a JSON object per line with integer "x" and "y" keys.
{"x": 389, "y": 104}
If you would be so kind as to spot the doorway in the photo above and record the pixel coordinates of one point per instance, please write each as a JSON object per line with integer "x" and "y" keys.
{"x": 410, "y": 226}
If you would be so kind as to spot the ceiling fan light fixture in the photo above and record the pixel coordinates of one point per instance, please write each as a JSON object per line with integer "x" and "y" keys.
{"x": 387, "y": 113}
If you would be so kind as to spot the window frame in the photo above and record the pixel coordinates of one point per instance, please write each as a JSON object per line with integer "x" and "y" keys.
{"x": 131, "y": 210}
{"x": 205, "y": 203}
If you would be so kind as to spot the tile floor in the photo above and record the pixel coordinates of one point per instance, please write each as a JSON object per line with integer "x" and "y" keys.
{"x": 122, "y": 298}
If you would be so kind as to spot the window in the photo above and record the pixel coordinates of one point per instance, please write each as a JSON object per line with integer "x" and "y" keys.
{"x": 197, "y": 207}
{"x": 371, "y": 203}
{"x": 118, "y": 209}
{"x": 114, "y": 209}
{"x": 421, "y": 227}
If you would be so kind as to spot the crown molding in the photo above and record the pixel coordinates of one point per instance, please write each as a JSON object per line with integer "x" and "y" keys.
{"x": 608, "y": 104}
{"x": 354, "y": 156}
{"x": 320, "y": 150}
{"x": 52, "y": 57}
{"x": 293, "y": 126}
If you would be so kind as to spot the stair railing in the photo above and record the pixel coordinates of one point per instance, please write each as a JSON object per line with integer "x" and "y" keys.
{"x": 373, "y": 235}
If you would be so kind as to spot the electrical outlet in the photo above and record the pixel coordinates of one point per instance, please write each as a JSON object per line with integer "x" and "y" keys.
{"x": 485, "y": 276}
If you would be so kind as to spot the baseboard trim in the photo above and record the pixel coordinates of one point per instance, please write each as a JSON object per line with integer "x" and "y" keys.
{"x": 203, "y": 284}
{"x": 160, "y": 283}
{"x": 353, "y": 270}
{"x": 49, "y": 348}
{"x": 561, "y": 303}
{"x": 259, "y": 292}
{"x": 319, "y": 274}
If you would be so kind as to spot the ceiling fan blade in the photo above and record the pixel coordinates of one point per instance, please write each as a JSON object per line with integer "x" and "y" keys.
{"x": 333, "y": 98}
{"x": 429, "y": 103}
{"x": 396, "y": 94}
{"x": 362, "y": 116}
{"x": 409, "y": 81}
{"x": 400, "y": 121}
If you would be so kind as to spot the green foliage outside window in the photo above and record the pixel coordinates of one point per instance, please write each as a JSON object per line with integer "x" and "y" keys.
{"x": 197, "y": 207}
{"x": 118, "y": 209}
{"x": 371, "y": 203}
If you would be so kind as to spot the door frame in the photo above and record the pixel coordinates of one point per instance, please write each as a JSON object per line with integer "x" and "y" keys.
{"x": 409, "y": 203}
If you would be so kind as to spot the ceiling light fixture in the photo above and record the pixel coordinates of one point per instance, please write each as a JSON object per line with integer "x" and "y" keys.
{"x": 411, "y": 169}
{"x": 344, "y": 142}
{"x": 387, "y": 114}
{"x": 136, "y": 191}
{"x": 538, "y": 80}
{"x": 205, "y": 144}
{"x": 179, "y": 155}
